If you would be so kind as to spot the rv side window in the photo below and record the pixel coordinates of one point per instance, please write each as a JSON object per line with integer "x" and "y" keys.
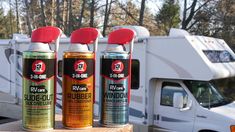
{"x": 219, "y": 56}
{"x": 135, "y": 74}
{"x": 167, "y": 93}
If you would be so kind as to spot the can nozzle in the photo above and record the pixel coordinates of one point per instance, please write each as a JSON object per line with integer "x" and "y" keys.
{"x": 83, "y": 37}
{"x": 46, "y": 35}
{"x": 121, "y": 37}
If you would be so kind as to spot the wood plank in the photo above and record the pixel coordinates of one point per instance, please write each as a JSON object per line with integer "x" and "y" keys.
{"x": 17, "y": 126}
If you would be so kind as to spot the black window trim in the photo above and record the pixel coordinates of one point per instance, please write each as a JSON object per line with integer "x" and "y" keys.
{"x": 136, "y": 86}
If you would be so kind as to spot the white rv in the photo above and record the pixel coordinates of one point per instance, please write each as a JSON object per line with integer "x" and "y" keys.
{"x": 171, "y": 89}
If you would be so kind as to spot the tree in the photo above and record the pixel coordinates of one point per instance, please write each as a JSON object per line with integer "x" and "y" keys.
{"x": 141, "y": 16}
{"x": 106, "y": 15}
{"x": 43, "y": 18}
{"x": 69, "y": 16}
{"x": 58, "y": 17}
{"x": 7, "y": 27}
{"x": 2, "y": 34}
{"x": 216, "y": 19}
{"x": 27, "y": 17}
{"x": 225, "y": 15}
{"x": 17, "y": 16}
{"x": 127, "y": 14}
{"x": 10, "y": 28}
{"x": 189, "y": 12}
{"x": 168, "y": 16}
{"x": 130, "y": 13}
{"x": 150, "y": 23}
{"x": 93, "y": 8}
{"x": 81, "y": 14}
{"x": 34, "y": 13}
{"x": 52, "y": 12}
{"x": 64, "y": 15}
{"x": 205, "y": 20}
{"x": 202, "y": 27}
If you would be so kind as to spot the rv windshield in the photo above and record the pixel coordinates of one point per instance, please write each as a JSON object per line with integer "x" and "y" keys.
{"x": 206, "y": 94}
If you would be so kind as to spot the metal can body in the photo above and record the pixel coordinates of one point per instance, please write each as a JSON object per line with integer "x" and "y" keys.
{"x": 115, "y": 81}
{"x": 38, "y": 106}
{"x": 78, "y": 89}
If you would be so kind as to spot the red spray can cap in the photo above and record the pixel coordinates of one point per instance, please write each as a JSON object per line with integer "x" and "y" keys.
{"x": 85, "y": 36}
{"x": 46, "y": 35}
{"x": 121, "y": 37}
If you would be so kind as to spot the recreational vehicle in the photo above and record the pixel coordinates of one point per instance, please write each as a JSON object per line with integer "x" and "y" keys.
{"x": 171, "y": 86}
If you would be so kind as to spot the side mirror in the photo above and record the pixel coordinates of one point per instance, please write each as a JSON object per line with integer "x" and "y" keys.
{"x": 178, "y": 100}
{"x": 189, "y": 103}
{"x": 188, "y": 106}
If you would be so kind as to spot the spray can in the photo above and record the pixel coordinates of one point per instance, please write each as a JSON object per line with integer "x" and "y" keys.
{"x": 115, "y": 79}
{"x": 79, "y": 79}
{"x": 39, "y": 78}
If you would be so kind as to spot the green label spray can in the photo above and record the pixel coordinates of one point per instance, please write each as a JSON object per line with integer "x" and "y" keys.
{"x": 39, "y": 80}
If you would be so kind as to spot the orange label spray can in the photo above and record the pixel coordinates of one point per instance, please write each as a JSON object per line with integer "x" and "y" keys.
{"x": 79, "y": 79}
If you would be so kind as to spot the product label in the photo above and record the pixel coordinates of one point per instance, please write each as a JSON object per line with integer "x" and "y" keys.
{"x": 116, "y": 93}
{"x": 115, "y": 69}
{"x": 38, "y": 93}
{"x": 78, "y": 69}
{"x": 114, "y": 98}
{"x": 115, "y": 104}
{"x": 39, "y": 70}
{"x": 78, "y": 86}
{"x": 38, "y": 99}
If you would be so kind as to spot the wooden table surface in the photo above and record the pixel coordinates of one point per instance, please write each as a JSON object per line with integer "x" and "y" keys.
{"x": 17, "y": 126}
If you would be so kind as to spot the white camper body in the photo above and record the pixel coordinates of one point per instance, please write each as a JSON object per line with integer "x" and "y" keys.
{"x": 170, "y": 76}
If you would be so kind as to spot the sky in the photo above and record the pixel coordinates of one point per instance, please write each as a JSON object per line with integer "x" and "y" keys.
{"x": 6, "y": 6}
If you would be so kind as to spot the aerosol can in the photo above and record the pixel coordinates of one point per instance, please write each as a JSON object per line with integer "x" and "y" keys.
{"x": 39, "y": 80}
{"x": 116, "y": 79}
{"x": 79, "y": 79}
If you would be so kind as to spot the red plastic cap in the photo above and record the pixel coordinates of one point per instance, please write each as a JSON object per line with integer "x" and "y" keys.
{"x": 121, "y": 36}
{"x": 46, "y": 34}
{"x": 84, "y": 35}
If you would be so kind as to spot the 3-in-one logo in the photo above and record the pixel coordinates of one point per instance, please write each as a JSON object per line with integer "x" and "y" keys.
{"x": 117, "y": 66}
{"x": 80, "y": 66}
{"x": 38, "y": 67}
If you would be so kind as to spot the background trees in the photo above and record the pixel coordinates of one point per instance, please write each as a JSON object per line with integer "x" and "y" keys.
{"x": 168, "y": 16}
{"x": 204, "y": 17}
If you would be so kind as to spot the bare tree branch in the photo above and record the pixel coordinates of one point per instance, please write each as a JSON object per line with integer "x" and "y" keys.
{"x": 189, "y": 27}
{"x": 192, "y": 11}
{"x": 202, "y": 5}
{"x": 127, "y": 12}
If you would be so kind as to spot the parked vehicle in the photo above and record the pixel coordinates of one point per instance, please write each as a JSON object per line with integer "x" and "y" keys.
{"x": 171, "y": 88}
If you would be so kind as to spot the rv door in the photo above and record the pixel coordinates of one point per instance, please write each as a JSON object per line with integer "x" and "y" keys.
{"x": 173, "y": 106}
